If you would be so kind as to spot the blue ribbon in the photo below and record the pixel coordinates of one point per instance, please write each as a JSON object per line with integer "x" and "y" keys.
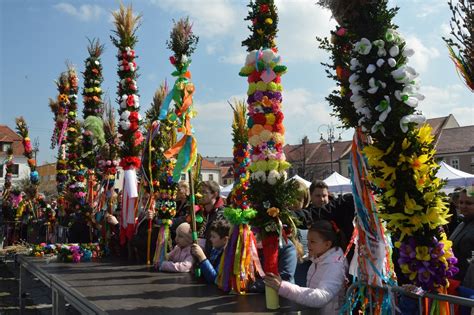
{"x": 166, "y": 105}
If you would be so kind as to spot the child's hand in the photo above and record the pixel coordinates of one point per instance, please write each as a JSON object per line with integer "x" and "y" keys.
{"x": 197, "y": 252}
{"x": 272, "y": 280}
{"x": 150, "y": 214}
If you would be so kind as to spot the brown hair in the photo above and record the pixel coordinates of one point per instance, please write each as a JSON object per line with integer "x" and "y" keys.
{"x": 318, "y": 184}
{"x": 220, "y": 227}
{"x": 212, "y": 186}
{"x": 329, "y": 231}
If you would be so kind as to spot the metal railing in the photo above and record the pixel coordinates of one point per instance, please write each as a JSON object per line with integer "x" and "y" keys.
{"x": 452, "y": 300}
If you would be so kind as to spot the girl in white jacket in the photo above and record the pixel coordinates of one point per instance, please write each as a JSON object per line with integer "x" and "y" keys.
{"x": 326, "y": 277}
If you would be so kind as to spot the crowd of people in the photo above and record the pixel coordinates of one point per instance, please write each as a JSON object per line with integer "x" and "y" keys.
{"x": 312, "y": 265}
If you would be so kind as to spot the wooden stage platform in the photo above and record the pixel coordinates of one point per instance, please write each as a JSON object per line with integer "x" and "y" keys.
{"x": 113, "y": 288}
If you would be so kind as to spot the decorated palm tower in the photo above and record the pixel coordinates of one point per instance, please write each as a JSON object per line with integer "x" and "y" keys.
{"x": 126, "y": 23}
{"x": 77, "y": 190}
{"x": 269, "y": 192}
{"x": 93, "y": 126}
{"x": 383, "y": 97}
{"x": 158, "y": 174}
{"x": 60, "y": 108}
{"x": 239, "y": 263}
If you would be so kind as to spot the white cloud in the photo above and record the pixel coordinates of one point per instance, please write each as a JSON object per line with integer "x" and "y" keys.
{"x": 236, "y": 58}
{"x": 210, "y": 17}
{"x": 450, "y": 99}
{"x": 300, "y": 21}
{"x": 84, "y": 12}
{"x": 423, "y": 56}
{"x": 431, "y": 7}
{"x": 445, "y": 29}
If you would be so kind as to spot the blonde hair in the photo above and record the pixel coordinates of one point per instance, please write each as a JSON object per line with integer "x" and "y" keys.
{"x": 303, "y": 193}
{"x": 184, "y": 230}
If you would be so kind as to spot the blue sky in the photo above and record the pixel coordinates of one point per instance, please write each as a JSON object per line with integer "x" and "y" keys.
{"x": 38, "y": 37}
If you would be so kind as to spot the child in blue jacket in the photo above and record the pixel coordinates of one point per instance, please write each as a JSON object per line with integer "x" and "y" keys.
{"x": 219, "y": 235}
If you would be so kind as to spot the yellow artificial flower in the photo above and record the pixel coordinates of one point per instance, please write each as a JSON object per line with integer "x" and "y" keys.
{"x": 405, "y": 144}
{"x": 273, "y": 212}
{"x": 410, "y": 205}
{"x": 259, "y": 31}
{"x": 416, "y": 220}
{"x": 269, "y": 21}
{"x": 423, "y": 253}
{"x": 424, "y": 134}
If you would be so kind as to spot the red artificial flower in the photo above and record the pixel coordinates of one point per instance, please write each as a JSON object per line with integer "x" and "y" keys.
{"x": 173, "y": 60}
{"x": 254, "y": 76}
{"x": 254, "y": 21}
{"x": 264, "y": 8}
{"x": 133, "y": 117}
{"x": 256, "y": 150}
{"x": 278, "y": 128}
{"x": 279, "y": 117}
{"x": 133, "y": 126}
{"x": 130, "y": 162}
{"x": 138, "y": 138}
{"x": 259, "y": 119}
{"x": 277, "y": 79}
{"x": 130, "y": 100}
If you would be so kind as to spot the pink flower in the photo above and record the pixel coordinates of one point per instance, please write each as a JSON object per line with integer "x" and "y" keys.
{"x": 341, "y": 31}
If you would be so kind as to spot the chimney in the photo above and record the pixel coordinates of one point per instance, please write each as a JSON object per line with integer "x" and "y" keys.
{"x": 305, "y": 140}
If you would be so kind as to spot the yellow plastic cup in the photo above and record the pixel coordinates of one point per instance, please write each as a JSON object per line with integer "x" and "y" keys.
{"x": 272, "y": 299}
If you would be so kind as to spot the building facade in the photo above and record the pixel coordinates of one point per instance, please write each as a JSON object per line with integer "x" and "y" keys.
{"x": 454, "y": 145}
{"x": 10, "y": 140}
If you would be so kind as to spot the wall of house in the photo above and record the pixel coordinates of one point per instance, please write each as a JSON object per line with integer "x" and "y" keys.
{"x": 23, "y": 171}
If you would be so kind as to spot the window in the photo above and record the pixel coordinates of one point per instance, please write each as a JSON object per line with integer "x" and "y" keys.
{"x": 211, "y": 176}
{"x": 15, "y": 170}
{"x": 4, "y": 146}
{"x": 183, "y": 176}
{"x": 455, "y": 163}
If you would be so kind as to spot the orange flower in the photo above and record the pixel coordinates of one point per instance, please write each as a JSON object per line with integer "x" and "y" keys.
{"x": 266, "y": 101}
{"x": 273, "y": 212}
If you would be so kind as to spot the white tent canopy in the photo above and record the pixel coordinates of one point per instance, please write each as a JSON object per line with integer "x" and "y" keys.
{"x": 225, "y": 191}
{"x": 301, "y": 179}
{"x": 454, "y": 176}
{"x": 338, "y": 183}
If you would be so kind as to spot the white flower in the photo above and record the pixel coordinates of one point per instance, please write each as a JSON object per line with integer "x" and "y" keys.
{"x": 408, "y": 52}
{"x": 131, "y": 66}
{"x": 378, "y": 43}
{"x": 392, "y": 36}
{"x": 373, "y": 86}
{"x": 251, "y": 57}
{"x": 353, "y": 78}
{"x": 268, "y": 55}
{"x": 363, "y": 46}
{"x": 370, "y": 69}
{"x": 394, "y": 51}
{"x": 355, "y": 98}
{"x": 419, "y": 119}
{"x": 97, "y": 62}
{"x": 139, "y": 117}
{"x": 381, "y": 52}
{"x": 364, "y": 111}
{"x": 355, "y": 88}
{"x": 392, "y": 62}
{"x": 259, "y": 175}
{"x": 125, "y": 114}
{"x": 273, "y": 177}
{"x": 385, "y": 108}
{"x": 360, "y": 103}
{"x": 184, "y": 59}
{"x": 124, "y": 124}
{"x": 411, "y": 101}
{"x": 404, "y": 74}
{"x": 378, "y": 126}
{"x": 354, "y": 64}
{"x": 380, "y": 62}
